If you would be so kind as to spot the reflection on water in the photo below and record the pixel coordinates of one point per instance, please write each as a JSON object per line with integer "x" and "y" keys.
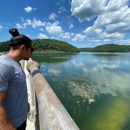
{"x": 52, "y": 58}
{"x": 93, "y": 87}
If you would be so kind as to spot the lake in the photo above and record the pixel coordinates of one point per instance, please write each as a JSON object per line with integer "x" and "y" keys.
{"x": 93, "y": 87}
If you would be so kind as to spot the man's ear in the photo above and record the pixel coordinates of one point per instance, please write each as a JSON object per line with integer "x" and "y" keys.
{"x": 22, "y": 47}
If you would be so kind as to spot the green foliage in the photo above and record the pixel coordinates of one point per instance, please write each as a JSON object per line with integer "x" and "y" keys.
{"x": 86, "y": 49}
{"x": 40, "y": 45}
{"x": 108, "y": 48}
{"x": 4, "y": 46}
{"x": 51, "y": 44}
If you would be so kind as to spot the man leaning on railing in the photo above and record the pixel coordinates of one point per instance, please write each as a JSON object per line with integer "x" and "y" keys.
{"x": 13, "y": 88}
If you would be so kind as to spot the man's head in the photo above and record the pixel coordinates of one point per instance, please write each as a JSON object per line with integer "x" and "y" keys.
{"x": 20, "y": 41}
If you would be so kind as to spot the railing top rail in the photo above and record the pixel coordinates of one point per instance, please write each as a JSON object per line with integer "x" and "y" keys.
{"x": 52, "y": 114}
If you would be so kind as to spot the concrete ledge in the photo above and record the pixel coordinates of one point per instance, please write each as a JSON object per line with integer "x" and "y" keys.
{"x": 30, "y": 118}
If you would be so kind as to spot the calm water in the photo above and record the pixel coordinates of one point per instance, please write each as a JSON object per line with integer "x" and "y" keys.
{"x": 93, "y": 87}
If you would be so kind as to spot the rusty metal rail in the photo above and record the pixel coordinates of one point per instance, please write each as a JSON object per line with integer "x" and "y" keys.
{"x": 51, "y": 113}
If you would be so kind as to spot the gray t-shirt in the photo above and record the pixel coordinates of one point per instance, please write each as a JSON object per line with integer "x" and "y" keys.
{"x": 13, "y": 80}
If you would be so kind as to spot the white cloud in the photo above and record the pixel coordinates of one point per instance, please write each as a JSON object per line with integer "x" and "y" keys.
{"x": 92, "y": 32}
{"x": 112, "y": 35}
{"x": 28, "y": 35}
{"x": 41, "y": 29}
{"x": 72, "y": 34}
{"x": 52, "y": 16}
{"x": 61, "y": 9}
{"x": 117, "y": 21}
{"x": 119, "y": 27}
{"x": 78, "y": 37}
{"x": 54, "y": 29}
{"x": 71, "y": 25}
{"x": 42, "y": 36}
{"x": 111, "y": 17}
{"x": 29, "y": 9}
{"x": 123, "y": 42}
{"x": 114, "y": 5}
{"x": 34, "y": 23}
{"x": 87, "y": 9}
{"x": 22, "y": 19}
{"x": 93, "y": 40}
{"x": 1, "y": 27}
{"x": 19, "y": 26}
{"x": 107, "y": 40}
{"x": 66, "y": 35}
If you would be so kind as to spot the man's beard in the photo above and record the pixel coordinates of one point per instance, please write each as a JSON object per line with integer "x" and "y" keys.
{"x": 26, "y": 59}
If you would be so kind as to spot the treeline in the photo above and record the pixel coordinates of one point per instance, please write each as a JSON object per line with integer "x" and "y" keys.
{"x": 51, "y": 44}
{"x": 41, "y": 45}
{"x": 4, "y": 46}
{"x": 107, "y": 48}
{"x": 85, "y": 49}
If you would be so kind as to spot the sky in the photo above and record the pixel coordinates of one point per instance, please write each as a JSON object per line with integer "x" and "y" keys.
{"x": 82, "y": 23}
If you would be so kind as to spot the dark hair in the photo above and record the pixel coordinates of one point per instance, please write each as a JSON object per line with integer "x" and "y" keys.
{"x": 19, "y": 39}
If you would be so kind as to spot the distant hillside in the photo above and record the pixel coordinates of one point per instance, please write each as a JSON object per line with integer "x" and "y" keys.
{"x": 41, "y": 45}
{"x": 107, "y": 48}
{"x": 54, "y": 45}
{"x": 85, "y": 49}
{"x": 4, "y": 46}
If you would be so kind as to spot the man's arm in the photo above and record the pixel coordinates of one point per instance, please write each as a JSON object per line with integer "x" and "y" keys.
{"x": 5, "y": 123}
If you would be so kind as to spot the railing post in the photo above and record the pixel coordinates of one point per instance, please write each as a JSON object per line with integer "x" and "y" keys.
{"x": 52, "y": 114}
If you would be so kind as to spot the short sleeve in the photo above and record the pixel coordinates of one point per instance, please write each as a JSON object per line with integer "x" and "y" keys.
{"x": 4, "y": 77}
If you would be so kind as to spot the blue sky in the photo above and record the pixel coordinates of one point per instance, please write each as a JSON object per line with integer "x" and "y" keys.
{"x": 82, "y": 23}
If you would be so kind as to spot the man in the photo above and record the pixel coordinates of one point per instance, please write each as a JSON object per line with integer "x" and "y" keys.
{"x": 13, "y": 89}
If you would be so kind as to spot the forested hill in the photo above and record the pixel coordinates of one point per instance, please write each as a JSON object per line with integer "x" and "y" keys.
{"x": 51, "y": 44}
{"x": 41, "y": 45}
{"x": 107, "y": 48}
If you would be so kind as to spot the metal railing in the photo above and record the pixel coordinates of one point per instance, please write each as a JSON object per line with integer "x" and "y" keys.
{"x": 51, "y": 114}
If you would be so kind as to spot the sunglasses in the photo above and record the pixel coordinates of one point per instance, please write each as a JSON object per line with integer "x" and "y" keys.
{"x": 32, "y": 49}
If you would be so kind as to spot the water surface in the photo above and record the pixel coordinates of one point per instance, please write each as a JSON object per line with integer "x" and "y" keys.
{"x": 103, "y": 78}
